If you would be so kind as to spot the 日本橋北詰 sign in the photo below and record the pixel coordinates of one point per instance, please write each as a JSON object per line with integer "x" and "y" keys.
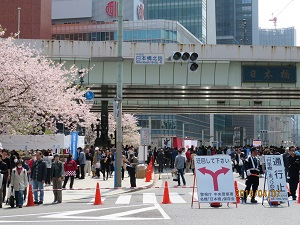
{"x": 214, "y": 179}
{"x": 149, "y": 58}
{"x": 275, "y": 175}
{"x": 269, "y": 74}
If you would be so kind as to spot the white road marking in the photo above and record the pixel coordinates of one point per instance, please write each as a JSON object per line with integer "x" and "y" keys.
{"x": 121, "y": 216}
{"x": 149, "y": 198}
{"x": 176, "y": 198}
{"x": 195, "y": 195}
{"x": 123, "y": 199}
{"x": 92, "y": 201}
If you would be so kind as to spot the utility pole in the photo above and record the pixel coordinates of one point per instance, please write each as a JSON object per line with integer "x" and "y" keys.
{"x": 119, "y": 141}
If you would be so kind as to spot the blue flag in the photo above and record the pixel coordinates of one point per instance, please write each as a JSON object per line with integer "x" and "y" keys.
{"x": 74, "y": 143}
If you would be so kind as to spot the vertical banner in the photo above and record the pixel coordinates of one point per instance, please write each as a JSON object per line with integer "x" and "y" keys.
{"x": 276, "y": 178}
{"x": 214, "y": 179}
{"x": 145, "y": 138}
{"x": 74, "y": 143}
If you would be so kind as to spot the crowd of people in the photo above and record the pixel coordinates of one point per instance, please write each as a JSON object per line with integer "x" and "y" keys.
{"x": 247, "y": 161}
{"x": 45, "y": 168}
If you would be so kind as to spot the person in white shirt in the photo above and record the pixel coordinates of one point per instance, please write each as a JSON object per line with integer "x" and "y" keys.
{"x": 19, "y": 182}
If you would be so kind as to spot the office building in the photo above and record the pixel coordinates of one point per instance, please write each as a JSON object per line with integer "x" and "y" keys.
{"x": 237, "y": 22}
{"x": 33, "y": 18}
{"x": 87, "y": 20}
{"x": 197, "y": 16}
{"x": 278, "y": 37}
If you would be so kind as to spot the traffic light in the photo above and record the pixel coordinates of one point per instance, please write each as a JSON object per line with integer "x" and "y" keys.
{"x": 263, "y": 131}
{"x": 190, "y": 57}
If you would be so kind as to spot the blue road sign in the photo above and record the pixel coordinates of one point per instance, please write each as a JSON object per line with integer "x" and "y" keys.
{"x": 89, "y": 95}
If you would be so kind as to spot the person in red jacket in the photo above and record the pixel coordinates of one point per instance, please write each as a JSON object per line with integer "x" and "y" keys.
{"x": 30, "y": 163}
{"x": 70, "y": 168}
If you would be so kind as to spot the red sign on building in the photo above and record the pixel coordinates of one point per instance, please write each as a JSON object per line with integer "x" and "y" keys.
{"x": 112, "y": 9}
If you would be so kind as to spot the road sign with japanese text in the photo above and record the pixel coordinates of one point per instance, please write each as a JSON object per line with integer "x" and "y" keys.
{"x": 149, "y": 58}
{"x": 214, "y": 179}
{"x": 275, "y": 173}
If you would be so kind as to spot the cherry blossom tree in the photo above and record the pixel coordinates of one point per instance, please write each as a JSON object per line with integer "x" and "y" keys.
{"x": 130, "y": 129}
{"x": 36, "y": 93}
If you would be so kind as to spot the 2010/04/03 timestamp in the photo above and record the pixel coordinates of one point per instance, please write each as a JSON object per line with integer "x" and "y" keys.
{"x": 258, "y": 193}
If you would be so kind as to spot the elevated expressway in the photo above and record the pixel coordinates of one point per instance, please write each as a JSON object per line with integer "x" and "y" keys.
{"x": 216, "y": 87}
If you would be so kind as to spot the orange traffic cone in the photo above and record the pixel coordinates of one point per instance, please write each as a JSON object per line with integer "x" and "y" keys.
{"x": 237, "y": 193}
{"x": 166, "y": 199}
{"x": 148, "y": 175}
{"x": 30, "y": 197}
{"x": 97, "y": 196}
{"x": 298, "y": 200}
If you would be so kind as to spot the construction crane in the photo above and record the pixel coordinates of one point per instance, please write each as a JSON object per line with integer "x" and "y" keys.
{"x": 274, "y": 18}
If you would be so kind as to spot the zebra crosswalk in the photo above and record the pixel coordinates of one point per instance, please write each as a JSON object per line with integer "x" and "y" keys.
{"x": 150, "y": 198}
{"x": 153, "y": 198}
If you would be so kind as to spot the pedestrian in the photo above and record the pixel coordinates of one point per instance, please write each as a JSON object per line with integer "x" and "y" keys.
{"x": 57, "y": 172}
{"x": 48, "y": 160}
{"x": 38, "y": 176}
{"x": 70, "y": 168}
{"x": 253, "y": 169}
{"x": 188, "y": 160}
{"x": 124, "y": 160}
{"x": 81, "y": 162}
{"x": 131, "y": 168}
{"x": 105, "y": 164}
{"x": 160, "y": 160}
{"x": 3, "y": 172}
{"x": 179, "y": 165}
{"x": 293, "y": 171}
{"x": 193, "y": 160}
{"x": 97, "y": 161}
{"x": 6, "y": 177}
{"x": 88, "y": 162}
{"x": 19, "y": 182}
{"x": 112, "y": 164}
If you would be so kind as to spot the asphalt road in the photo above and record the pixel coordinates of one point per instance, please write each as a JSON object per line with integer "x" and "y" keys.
{"x": 144, "y": 207}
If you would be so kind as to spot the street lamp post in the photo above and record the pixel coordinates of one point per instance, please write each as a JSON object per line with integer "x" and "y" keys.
{"x": 81, "y": 80}
{"x": 19, "y": 21}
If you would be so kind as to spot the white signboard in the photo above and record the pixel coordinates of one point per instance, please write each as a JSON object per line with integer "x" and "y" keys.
{"x": 145, "y": 136}
{"x": 214, "y": 179}
{"x": 143, "y": 154}
{"x": 149, "y": 58}
{"x": 276, "y": 178}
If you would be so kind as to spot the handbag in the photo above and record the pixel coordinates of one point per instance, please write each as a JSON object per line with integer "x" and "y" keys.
{"x": 175, "y": 174}
{"x": 97, "y": 165}
{"x": 11, "y": 200}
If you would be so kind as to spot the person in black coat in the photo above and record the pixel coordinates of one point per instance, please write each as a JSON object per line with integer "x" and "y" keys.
{"x": 293, "y": 171}
{"x": 3, "y": 172}
{"x": 253, "y": 169}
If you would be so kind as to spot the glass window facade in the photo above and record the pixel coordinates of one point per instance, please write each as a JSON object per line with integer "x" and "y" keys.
{"x": 229, "y": 21}
{"x": 190, "y": 13}
{"x": 177, "y": 125}
{"x": 154, "y": 31}
{"x": 278, "y": 37}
